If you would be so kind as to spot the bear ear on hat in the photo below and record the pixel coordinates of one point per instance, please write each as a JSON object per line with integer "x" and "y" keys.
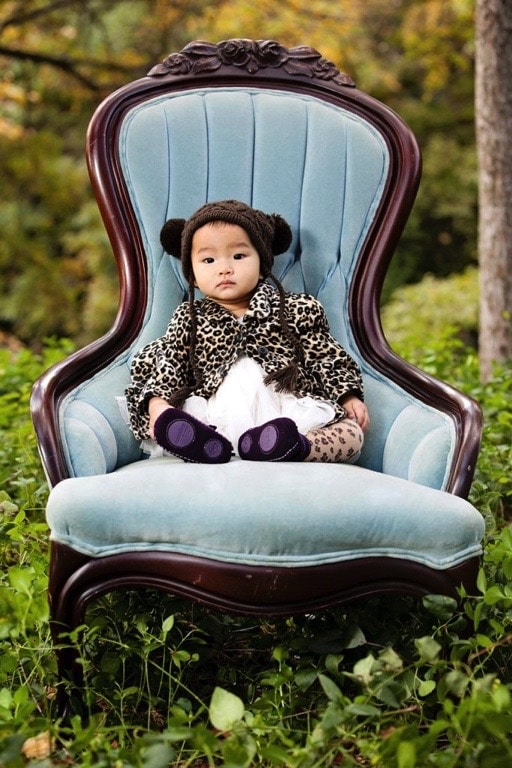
{"x": 170, "y": 236}
{"x": 282, "y": 235}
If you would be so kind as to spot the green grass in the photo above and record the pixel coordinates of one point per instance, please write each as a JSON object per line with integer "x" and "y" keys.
{"x": 391, "y": 682}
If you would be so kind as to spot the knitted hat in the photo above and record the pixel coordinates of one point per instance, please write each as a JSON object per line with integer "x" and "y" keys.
{"x": 270, "y": 234}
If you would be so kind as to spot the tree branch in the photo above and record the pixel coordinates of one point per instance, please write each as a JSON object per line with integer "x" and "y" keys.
{"x": 63, "y": 63}
{"x": 68, "y": 65}
{"x": 22, "y": 18}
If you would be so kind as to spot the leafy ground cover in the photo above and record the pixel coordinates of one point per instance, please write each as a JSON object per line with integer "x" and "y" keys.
{"x": 390, "y": 682}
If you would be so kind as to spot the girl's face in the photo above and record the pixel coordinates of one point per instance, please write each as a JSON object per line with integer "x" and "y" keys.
{"x": 226, "y": 265}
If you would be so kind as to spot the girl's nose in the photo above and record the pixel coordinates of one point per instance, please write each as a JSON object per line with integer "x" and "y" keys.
{"x": 226, "y": 267}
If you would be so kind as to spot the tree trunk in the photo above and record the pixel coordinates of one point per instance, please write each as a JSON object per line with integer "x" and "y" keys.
{"x": 494, "y": 146}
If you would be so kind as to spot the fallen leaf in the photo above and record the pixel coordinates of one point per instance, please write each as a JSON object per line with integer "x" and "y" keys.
{"x": 39, "y": 747}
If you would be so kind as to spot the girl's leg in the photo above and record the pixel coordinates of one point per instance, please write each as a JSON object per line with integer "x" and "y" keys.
{"x": 339, "y": 442}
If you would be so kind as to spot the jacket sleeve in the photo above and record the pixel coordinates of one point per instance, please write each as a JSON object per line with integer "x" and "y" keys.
{"x": 158, "y": 370}
{"x": 335, "y": 373}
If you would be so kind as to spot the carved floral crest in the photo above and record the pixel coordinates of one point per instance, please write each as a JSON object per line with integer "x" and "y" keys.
{"x": 252, "y": 55}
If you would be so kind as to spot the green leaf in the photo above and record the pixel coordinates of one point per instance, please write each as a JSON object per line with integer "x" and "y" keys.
{"x": 457, "y": 682}
{"x": 275, "y": 754}
{"x": 484, "y": 641}
{"x": 390, "y": 660}
{"x": 332, "y": 662}
{"x": 225, "y": 710}
{"x": 355, "y": 637}
{"x": 406, "y": 754}
{"x": 426, "y": 687}
{"x": 178, "y": 733}
{"x": 428, "y": 648}
{"x": 5, "y": 698}
{"x": 305, "y": 678}
{"x": 168, "y": 624}
{"x": 494, "y": 595}
{"x": 441, "y": 606}
{"x": 21, "y": 695}
{"x": 110, "y": 663}
{"x": 20, "y": 579}
{"x": 501, "y": 697}
{"x": 238, "y": 752}
{"x": 393, "y": 693}
{"x": 331, "y": 690}
{"x": 7, "y": 507}
{"x": 364, "y": 668}
{"x": 280, "y": 654}
{"x": 477, "y": 614}
{"x": 8, "y": 663}
{"x": 363, "y": 710}
{"x": 132, "y": 690}
{"x": 157, "y": 755}
{"x": 481, "y": 581}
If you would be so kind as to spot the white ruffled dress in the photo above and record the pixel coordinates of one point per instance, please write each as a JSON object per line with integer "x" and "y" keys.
{"x": 243, "y": 401}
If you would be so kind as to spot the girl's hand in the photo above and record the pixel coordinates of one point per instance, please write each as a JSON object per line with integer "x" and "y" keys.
{"x": 156, "y": 406}
{"x": 357, "y": 411}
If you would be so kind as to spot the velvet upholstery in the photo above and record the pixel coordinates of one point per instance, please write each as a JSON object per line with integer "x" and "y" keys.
{"x": 338, "y": 513}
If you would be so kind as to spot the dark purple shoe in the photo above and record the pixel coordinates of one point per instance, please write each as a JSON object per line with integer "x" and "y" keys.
{"x": 188, "y": 438}
{"x": 277, "y": 440}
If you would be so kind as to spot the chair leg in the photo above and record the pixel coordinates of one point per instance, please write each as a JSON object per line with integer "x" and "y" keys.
{"x": 66, "y": 615}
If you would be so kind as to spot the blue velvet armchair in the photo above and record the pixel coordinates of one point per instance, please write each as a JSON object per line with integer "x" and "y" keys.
{"x": 283, "y": 130}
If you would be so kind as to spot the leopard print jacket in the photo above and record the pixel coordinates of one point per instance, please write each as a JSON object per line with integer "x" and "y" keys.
{"x": 163, "y": 367}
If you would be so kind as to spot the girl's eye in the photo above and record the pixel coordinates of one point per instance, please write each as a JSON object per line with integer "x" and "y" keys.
{"x": 239, "y": 256}
{"x": 208, "y": 260}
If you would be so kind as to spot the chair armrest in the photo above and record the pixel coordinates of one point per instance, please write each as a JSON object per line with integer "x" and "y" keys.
{"x": 420, "y": 447}
{"x": 95, "y": 435}
{"x": 407, "y": 438}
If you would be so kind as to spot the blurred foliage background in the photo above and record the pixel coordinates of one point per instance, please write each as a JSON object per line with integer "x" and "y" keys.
{"x": 59, "y": 58}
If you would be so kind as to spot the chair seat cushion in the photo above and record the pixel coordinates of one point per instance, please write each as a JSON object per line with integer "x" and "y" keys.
{"x": 274, "y": 514}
